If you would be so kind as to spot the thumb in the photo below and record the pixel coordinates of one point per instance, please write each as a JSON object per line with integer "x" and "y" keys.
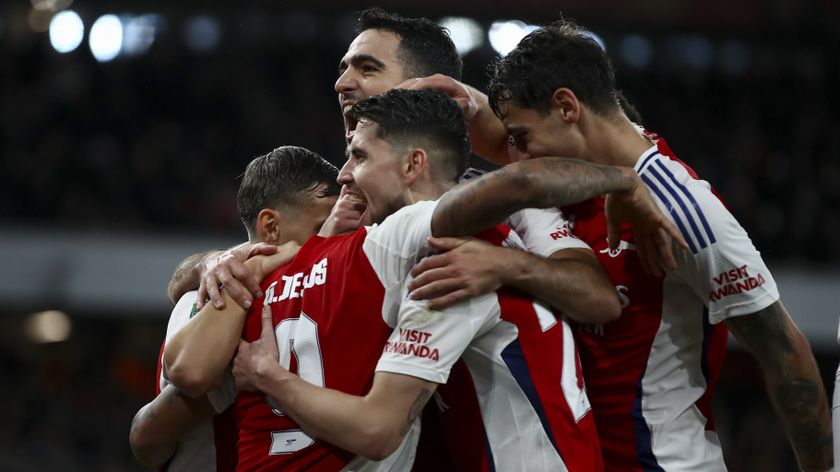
{"x": 446, "y": 244}
{"x": 267, "y": 324}
{"x": 263, "y": 248}
{"x": 613, "y": 234}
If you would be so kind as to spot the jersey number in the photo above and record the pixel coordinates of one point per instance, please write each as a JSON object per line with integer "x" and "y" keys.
{"x": 297, "y": 337}
{"x": 570, "y": 381}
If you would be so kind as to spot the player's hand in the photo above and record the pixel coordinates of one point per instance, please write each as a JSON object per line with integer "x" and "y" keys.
{"x": 254, "y": 360}
{"x": 228, "y": 268}
{"x": 346, "y": 214}
{"x": 652, "y": 230}
{"x": 443, "y": 83}
{"x": 262, "y": 265}
{"x": 469, "y": 268}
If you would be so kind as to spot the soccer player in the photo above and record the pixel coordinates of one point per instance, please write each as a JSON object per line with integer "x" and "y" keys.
{"x": 284, "y": 196}
{"x": 342, "y": 298}
{"x": 650, "y": 374}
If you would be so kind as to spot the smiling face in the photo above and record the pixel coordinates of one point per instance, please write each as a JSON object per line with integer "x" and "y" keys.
{"x": 534, "y": 134}
{"x": 374, "y": 171}
{"x": 370, "y": 67}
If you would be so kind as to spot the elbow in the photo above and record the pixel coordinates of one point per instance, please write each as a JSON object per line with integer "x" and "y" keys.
{"x": 379, "y": 443}
{"x": 193, "y": 382}
{"x": 599, "y": 309}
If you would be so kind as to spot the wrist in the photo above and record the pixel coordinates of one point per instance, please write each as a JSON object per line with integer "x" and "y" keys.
{"x": 629, "y": 180}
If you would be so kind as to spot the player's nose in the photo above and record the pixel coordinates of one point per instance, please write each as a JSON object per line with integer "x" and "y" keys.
{"x": 346, "y": 82}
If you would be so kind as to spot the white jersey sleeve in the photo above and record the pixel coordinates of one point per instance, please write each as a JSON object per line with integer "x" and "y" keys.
{"x": 187, "y": 307}
{"x": 425, "y": 343}
{"x": 544, "y": 231}
{"x": 183, "y": 311}
{"x": 722, "y": 266}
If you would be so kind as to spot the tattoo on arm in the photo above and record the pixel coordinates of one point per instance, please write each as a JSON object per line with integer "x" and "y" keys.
{"x": 793, "y": 381}
{"x": 537, "y": 183}
{"x": 415, "y": 410}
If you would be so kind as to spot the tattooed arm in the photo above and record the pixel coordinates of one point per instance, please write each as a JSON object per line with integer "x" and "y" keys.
{"x": 792, "y": 380}
{"x": 546, "y": 182}
{"x": 160, "y": 424}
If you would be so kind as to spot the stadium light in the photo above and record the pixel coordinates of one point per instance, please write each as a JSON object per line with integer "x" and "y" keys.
{"x": 636, "y": 50}
{"x": 505, "y": 35}
{"x": 202, "y": 33}
{"x": 66, "y": 31}
{"x": 48, "y": 326}
{"x": 466, "y": 33}
{"x": 139, "y": 33}
{"x": 106, "y": 37}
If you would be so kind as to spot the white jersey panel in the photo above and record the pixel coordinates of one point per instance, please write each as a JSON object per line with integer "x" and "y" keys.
{"x": 544, "y": 231}
{"x": 197, "y": 450}
{"x": 722, "y": 266}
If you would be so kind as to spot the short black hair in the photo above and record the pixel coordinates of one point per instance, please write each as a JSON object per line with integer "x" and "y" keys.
{"x": 425, "y": 47}
{"x": 282, "y": 178}
{"x": 554, "y": 56}
{"x": 421, "y": 118}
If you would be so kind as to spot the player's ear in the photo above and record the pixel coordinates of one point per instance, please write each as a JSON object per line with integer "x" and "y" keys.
{"x": 566, "y": 103}
{"x": 269, "y": 225}
{"x": 415, "y": 163}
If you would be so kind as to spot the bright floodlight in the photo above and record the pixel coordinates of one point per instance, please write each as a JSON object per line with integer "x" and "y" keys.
{"x": 106, "y": 37}
{"x": 636, "y": 50}
{"x": 139, "y": 33}
{"x": 505, "y": 35}
{"x": 48, "y": 327}
{"x": 66, "y": 31}
{"x": 466, "y": 33}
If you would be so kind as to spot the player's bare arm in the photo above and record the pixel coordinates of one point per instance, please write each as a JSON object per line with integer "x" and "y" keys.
{"x": 793, "y": 382}
{"x": 488, "y": 137}
{"x": 196, "y": 357}
{"x": 570, "y": 280}
{"x": 372, "y": 426}
{"x": 544, "y": 183}
{"x": 161, "y": 423}
{"x": 209, "y": 270}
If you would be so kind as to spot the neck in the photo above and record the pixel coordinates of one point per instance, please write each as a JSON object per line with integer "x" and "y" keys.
{"x": 428, "y": 190}
{"x": 613, "y": 140}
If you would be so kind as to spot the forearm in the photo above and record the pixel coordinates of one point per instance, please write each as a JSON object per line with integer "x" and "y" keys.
{"x": 547, "y": 182}
{"x": 571, "y": 283}
{"x": 187, "y": 276}
{"x": 793, "y": 382}
{"x": 159, "y": 426}
{"x": 488, "y": 137}
{"x": 195, "y": 358}
{"x": 361, "y": 425}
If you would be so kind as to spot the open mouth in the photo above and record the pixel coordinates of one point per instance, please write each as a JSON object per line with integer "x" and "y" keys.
{"x": 349, "y": 122}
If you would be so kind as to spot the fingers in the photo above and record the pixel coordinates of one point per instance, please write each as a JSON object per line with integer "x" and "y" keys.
{"x": 641, "y": 253}
{"x": 613, "y": 235}
{"x": 267, "y": 324}
{"x": 437, "y": 283}
{"x": 653, "y": 256}
{"x": 203, "y": 294}
{"x": 666, "y": 254}
{"x": 675, "y": 233}
{"x": 212, "y": 289}
{"x": 235, "y": 289}
{"x": 428, "y": 263}
{"x": 262, "y": 249}
{"x": 447, "y": 244}
{"x": 241, "y": 273}
{"x": 449, "y": 300}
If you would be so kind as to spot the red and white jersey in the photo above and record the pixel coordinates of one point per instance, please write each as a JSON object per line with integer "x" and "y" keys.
{"x": 650, "y": 374}
{"x": 522, "y": 359}
{"x": 210, "y": 446}
{"x": 343, "y": 298}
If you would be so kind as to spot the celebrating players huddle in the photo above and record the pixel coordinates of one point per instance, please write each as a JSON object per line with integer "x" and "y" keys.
{"x": 568, "y": 311}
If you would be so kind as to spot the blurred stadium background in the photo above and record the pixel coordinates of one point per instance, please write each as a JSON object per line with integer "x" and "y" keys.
{"x": 125, "y": 123}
